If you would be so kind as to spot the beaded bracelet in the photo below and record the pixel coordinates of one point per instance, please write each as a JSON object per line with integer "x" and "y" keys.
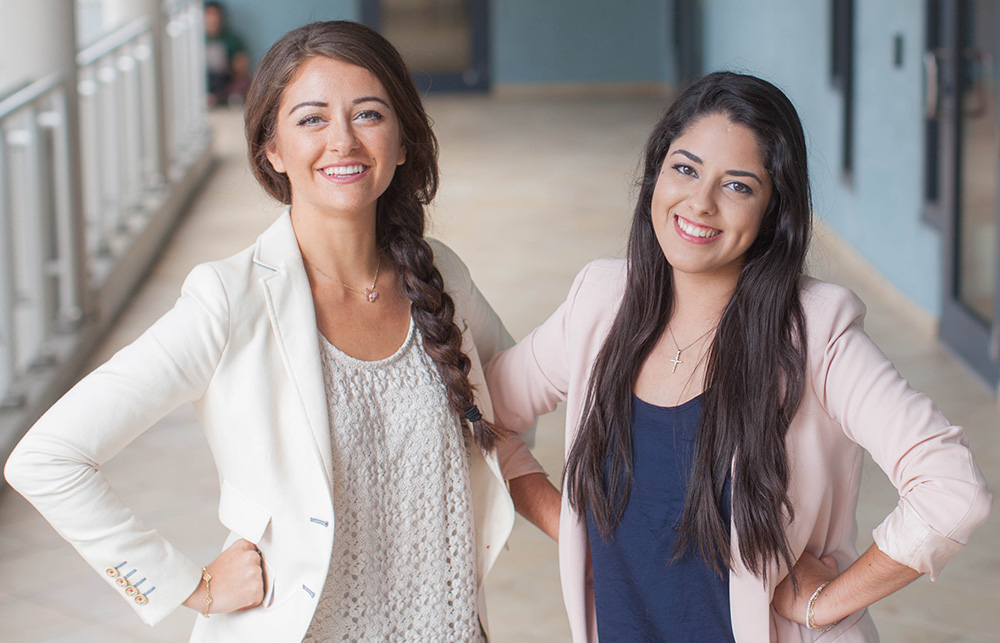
{"x": 809, "y": 611}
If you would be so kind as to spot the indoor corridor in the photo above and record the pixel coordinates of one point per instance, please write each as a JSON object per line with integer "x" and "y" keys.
{"x": 531, "y": 189}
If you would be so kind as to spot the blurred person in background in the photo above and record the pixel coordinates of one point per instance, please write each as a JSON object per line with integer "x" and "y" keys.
{"x": 226, "y": 59}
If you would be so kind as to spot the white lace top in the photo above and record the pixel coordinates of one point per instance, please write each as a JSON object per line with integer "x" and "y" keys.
{"x": 403, "y": 565}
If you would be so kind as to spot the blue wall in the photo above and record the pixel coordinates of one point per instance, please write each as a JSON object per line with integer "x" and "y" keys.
{"x": 554, "y": 41}
{"x": 581, "y": 41}
{"x": 879, "y": 212}
{"x": 261, "y": 22}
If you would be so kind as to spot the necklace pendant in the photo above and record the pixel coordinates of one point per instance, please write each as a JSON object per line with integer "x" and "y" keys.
{"x": 675, "y": 361}
{"x": 371, "y": 294}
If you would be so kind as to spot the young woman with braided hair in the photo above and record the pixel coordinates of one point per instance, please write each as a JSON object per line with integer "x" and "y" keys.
{"x": 336, "y": 368}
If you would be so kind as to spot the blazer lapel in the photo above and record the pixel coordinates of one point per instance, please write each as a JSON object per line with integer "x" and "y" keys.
{"x": 293, "y": 319}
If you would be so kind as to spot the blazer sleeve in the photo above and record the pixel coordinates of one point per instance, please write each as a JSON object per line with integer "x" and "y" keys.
{"x": 531, "y": 378}
{"x": 942, "y": 494}
{"x": 57, "y": 465}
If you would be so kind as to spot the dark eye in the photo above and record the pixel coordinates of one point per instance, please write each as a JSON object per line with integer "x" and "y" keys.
{"x": 311, "y": 120}
{"x": 741, "y": 188}
{"x": 686, "y": 170}
{"x": 369, "y": 115}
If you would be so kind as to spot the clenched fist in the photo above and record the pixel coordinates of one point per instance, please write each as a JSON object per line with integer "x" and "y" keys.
{"x": 237, "y": 581}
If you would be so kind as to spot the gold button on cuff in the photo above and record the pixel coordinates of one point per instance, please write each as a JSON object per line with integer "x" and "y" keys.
{"x": 141, "y": 600}
{"x": 112, "y": 572}
{"x": 131, "y": 591}
{"x": 121, "y": 581}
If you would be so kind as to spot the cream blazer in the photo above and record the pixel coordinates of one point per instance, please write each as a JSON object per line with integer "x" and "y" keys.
{"x": 241, "y": 344}
{"x": 854, "y": 401}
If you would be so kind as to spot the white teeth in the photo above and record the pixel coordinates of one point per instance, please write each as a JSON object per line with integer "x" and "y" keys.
{"x": 343, "y": 170}
{"x": 696, "y": 231}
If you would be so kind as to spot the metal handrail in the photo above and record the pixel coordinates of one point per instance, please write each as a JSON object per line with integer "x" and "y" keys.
{"x": 113, "y": 41}
{"x": 29, "y": 94}
{"x": 131, "y": 122}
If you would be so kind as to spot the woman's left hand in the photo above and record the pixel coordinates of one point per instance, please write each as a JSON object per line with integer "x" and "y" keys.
{"x": 870, "y": 578}
{"x": 811, "y": 572}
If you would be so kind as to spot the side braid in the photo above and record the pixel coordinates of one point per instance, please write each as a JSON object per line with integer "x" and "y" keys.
{"x": 434, "y": 314}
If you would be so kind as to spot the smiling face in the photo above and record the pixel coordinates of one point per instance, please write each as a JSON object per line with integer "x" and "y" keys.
{"x": 337, "y": 138}
{"x": 710, "y": 198}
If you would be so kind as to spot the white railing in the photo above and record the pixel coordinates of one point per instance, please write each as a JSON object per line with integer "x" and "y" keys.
{"x": 121, "y": 165}
{"x": 138, "y": 136}
{"x": 39, "y": 268}
{"x": 84, "y": 204}
{"x": 185, "y": 52}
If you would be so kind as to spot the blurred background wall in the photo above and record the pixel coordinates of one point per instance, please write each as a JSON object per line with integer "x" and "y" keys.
{"x": 898, "y": 99}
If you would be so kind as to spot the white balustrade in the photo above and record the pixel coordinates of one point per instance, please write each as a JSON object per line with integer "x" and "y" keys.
{"x": 140, "y": 95}
{"x": 37, "y": 270}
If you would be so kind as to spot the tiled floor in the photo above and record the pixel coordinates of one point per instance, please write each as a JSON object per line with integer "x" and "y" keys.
{"x": 531, "y": 190}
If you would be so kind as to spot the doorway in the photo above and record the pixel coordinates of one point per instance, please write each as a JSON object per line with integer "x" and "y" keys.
{"x": 963, "y": 150}
{"x": 444, "y": 42}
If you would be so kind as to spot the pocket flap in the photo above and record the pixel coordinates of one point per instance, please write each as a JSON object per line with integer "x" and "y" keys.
{"x": 242, "y": 515}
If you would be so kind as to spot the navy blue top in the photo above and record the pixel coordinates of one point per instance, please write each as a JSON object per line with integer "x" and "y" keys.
{"x": 640, "y": 595}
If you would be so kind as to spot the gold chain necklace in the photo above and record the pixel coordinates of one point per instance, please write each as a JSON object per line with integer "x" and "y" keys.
{"x": 370, "y": 293}
{"x": 677, "y": 358}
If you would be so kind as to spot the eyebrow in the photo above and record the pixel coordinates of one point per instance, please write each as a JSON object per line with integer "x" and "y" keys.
{"x": 745, "y": 173}
{"x": 356, "y": 101}
{"x": 749, "y": 175}
{"x": 369, "y": 99}
{"x": 308, "y": 103}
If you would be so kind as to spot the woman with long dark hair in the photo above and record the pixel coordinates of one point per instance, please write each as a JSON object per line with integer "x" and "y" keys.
{"x": 719, "y": 403}
{"x": 335, "y": 366}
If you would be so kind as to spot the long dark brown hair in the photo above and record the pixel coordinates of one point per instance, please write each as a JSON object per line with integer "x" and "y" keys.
{"x": 400, "y": 218}
{"x": 756, "y": 364}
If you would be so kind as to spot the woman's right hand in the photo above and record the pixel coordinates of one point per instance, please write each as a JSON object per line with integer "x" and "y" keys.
{"x": 810, "y": 572}
{"x": 237, "y": 580}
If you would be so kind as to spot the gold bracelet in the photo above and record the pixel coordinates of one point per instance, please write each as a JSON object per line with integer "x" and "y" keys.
{"x": 205, "y": 576}
{"x": 809, "y": 611}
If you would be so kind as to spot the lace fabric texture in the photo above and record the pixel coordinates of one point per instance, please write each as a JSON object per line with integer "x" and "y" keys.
{"x": 403, "y": 564}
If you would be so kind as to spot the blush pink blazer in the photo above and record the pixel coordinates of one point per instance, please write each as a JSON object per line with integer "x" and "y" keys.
{"x": 854, "y": 401}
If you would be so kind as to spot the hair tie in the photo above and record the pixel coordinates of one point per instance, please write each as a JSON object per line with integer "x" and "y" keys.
{"x": 472, "y": 414}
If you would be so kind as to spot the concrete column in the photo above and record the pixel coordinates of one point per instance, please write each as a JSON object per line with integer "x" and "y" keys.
{"x": 37, "y": 38}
